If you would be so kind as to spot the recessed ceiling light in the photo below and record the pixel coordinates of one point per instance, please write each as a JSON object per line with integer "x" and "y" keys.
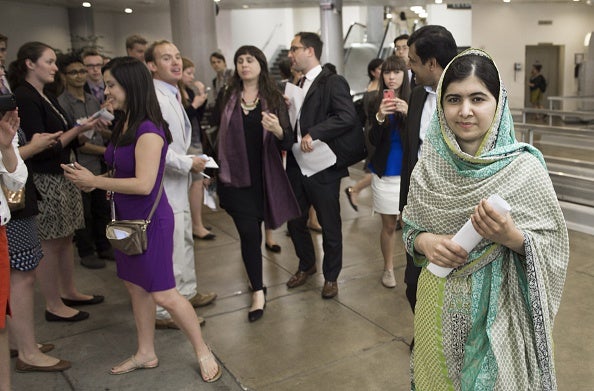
{"x": 86, "y": 4}
{"x": 245, "y": 6}
{"x": 507, "y": 1}
{"x": 128, "y": 10}
{"x": 438, "y": 1}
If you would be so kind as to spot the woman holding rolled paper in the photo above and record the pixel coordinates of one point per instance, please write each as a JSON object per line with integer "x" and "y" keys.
{"x": 488, "y": 324}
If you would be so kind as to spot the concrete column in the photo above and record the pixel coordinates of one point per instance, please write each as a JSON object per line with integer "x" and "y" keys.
{"x": 194, "y": 33}
{"x": 375, "y": 24}
{"x": 331, "y": 23}
{"x": 82, "y": 27}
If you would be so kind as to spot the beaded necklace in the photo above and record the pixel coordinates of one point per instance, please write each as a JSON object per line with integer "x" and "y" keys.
{"x": 247, "y": 107}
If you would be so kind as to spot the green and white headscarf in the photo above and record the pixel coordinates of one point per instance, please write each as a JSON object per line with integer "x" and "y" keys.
{"x": 500, "y": 305}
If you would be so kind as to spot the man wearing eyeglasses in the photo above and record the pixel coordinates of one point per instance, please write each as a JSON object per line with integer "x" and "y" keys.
{"x": 327, "y": 113}
{"x": 93, "y": 247}
{"x": 93, "y": 63}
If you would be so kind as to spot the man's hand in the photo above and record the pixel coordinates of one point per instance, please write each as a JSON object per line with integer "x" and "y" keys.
{"x": 306, "y": 143}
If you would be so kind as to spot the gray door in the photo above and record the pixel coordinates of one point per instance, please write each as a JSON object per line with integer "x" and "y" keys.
{"x": 548, "y": 56}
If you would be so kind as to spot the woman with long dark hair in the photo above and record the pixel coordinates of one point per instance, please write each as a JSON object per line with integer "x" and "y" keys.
{"x": 253, "y": 185}
{"x": 140, "y": 134}
{"x": 386, "y": 162}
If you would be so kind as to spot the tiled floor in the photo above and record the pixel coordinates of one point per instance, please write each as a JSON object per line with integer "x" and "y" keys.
{"x": 357, "y": 341}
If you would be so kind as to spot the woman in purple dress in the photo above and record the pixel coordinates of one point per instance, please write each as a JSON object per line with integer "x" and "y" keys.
{"x": 139, "y": 135}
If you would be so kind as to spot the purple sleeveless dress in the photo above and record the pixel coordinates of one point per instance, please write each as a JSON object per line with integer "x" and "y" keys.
{"x": 152, "y": 270}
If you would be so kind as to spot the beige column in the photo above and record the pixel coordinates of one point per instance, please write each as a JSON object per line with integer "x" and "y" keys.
{"x": 193, "y": 25}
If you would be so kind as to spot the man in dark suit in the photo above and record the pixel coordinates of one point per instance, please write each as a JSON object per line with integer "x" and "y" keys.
{"x": 327, "y": 113}
{"x": 431, "y": 48}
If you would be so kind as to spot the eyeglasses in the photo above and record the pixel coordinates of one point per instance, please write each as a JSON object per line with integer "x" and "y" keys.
{"x": 293, "y": 49}
{"x": 90, "y": 66}
{"x": 81, "y": 72}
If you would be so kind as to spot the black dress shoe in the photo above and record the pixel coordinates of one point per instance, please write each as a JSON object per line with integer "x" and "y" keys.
{"x": 257, "y": 314}
{"x": 275, "y": 248}
{"x": 208, "y": 236}
{"x": 349, "y": 194}
{"x": 81, "y": 315}
{"x": 96, "y": 299}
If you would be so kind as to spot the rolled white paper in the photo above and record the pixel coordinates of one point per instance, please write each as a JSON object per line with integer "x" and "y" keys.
{"x": 467, "y": 237}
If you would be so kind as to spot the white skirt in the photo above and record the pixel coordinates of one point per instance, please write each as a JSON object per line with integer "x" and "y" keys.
{"x": 386, "y": 194}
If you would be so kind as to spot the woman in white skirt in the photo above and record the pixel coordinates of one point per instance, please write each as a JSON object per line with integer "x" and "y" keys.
{"x": 386, "y": 163}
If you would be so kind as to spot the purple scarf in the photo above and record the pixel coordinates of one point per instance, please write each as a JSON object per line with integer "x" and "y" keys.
{"x": 280, "y": 204}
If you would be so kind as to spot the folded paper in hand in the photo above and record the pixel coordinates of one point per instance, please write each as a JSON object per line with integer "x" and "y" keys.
{"x": 320, "y": 158}
{"x": 467, "y": 237}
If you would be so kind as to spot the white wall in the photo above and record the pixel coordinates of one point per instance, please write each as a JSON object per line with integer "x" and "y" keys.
{"x": 504, "y": 32}
{"x": 50, "y": 26}
{"x": 457, "y": 21}
{"x": 115, "y": 27}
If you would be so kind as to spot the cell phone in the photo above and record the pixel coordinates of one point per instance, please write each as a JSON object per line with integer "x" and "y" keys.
{"x": 7, "y": 103}
{"x": 389, "y": 94}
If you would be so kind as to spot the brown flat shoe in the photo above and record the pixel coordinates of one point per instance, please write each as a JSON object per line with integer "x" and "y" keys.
{"x": 300, "y": 277}
{"x": 150, "y": 364}
{"x": 22, "y": 366}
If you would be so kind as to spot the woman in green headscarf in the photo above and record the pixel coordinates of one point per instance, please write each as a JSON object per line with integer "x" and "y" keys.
{"x": 488, "y": 324}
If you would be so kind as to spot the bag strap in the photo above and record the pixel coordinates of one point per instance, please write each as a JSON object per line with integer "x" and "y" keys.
{"x": 155, "y": 204}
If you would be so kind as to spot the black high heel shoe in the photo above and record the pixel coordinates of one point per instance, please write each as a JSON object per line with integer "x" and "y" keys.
{"x": 257, "y": 314}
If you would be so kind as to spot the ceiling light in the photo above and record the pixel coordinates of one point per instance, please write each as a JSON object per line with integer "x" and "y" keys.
{"x": 438, "y": 1}
{"x": 128, "y": 10}
{"x": 245, "y": 6}
{"x": 507, "y": 1}
{"x": 86, "y": 4}
{"x": 416, "y": 9}
{"x": 423, "y": 15}
{"x": 389, "y": 16}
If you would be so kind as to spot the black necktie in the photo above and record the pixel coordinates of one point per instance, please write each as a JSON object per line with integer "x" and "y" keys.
{"x": 301, "y": 81}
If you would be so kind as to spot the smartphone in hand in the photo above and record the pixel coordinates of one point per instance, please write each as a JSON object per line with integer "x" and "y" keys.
{"x": 389, "y": 94}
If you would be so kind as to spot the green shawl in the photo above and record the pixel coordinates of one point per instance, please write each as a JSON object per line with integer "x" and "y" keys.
{"x": 488, "y": 325}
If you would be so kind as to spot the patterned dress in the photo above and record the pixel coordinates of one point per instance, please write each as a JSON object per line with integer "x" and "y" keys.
{"x": 489, "y": 324}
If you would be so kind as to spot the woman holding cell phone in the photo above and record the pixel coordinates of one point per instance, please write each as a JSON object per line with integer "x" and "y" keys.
{"x": 391, "y": 106}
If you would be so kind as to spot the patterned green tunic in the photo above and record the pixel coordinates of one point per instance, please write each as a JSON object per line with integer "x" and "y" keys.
{"x": 488, "y": 325}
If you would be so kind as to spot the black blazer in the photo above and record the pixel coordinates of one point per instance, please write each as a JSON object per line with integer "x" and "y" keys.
{"x": 327, "y": 113}
{"x": 411, "y": 140}
{"x": 380, "y": 138}
{"x": 38, "y": 116}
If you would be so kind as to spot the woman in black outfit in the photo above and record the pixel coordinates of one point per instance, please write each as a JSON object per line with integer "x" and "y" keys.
{"x": 253, "y": 186}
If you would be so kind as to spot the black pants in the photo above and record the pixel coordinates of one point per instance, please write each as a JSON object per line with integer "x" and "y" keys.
{"x": 325, "y": 199}
{"x": 411, "y": 278}
{"x": 250, "y": 236}
{"x": 97, "y": 215}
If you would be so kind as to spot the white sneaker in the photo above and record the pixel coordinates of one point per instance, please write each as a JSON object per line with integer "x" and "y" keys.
{"x": 388, "y": 279}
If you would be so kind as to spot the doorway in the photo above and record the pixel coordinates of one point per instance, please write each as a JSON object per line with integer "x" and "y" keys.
{"x": 549, "y": 57}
